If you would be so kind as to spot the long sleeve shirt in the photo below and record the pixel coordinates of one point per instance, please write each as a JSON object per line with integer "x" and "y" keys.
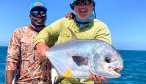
{"x": 21, "y": 57}
{"x": 59, "y": 32}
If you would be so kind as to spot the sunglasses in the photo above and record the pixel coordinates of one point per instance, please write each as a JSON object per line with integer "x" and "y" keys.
{"x": 35, "y": 13}
{"x": 82, "y": 2}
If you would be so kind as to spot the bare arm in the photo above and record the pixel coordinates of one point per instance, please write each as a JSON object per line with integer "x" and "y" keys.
{"x": 9, "y": 76}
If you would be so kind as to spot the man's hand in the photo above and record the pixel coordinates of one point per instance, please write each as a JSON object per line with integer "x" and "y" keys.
{"x": 41, "y": 49}
{"x": 97, "y": 79}
{"x": 70, "y": 15}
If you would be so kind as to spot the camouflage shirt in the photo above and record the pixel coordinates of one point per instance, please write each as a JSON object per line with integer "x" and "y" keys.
{"x": 29, "y": 69}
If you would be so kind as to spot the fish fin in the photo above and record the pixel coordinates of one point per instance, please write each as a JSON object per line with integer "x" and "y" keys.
{"x": 68, "y": 73}
{"x": 74, "y": 37}
{"x": 79, "y": 60}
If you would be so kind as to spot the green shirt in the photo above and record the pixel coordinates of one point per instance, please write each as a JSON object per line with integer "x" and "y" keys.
{"x": 59, "y": 32}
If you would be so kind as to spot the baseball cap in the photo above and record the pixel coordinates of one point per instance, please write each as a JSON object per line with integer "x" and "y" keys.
{"x": 74, "y": 2}
{"x": 37, "y": 5}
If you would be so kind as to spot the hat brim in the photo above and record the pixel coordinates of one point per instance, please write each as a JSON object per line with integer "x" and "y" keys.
{"x": 39, "y": 7}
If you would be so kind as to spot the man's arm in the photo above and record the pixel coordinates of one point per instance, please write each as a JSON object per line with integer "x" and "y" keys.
{"x": 103, "y": 33}
{"x": 9, "y": 76}
{"x": 47, "y": 37}
{"x": 42, "y": 40}
{"x": 12, "y": 57}
{"x": 49, "y": 34}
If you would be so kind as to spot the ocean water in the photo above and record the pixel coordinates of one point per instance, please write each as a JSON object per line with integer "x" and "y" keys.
{"x": 3, "y": 53}
{"x": 134, "y": 71}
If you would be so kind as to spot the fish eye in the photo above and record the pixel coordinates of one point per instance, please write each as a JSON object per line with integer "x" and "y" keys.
{"x": 107, "y": 59}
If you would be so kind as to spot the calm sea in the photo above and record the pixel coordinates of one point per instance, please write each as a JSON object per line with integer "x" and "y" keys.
{"x": 134, "y": 71}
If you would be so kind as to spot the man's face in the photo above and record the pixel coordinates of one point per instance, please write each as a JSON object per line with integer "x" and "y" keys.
{"x": 38, "y": 17}
{"x": 83, "y": 9}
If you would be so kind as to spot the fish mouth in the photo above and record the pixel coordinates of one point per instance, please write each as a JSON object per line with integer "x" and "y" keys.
{"x": 116, "y": 72}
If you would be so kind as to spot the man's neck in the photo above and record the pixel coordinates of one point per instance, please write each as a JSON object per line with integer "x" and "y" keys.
{"x": 38, "y": 28}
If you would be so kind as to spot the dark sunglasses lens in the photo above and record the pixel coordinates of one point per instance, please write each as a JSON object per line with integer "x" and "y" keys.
{"x": 85, "y": 2}
{"x": 42, "y": 13}
{"x": 36, "y": 13}
{"x": 78, "y": 3}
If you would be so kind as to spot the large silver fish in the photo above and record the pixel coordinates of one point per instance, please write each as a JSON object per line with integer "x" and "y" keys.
{"x": 79, "y": 58}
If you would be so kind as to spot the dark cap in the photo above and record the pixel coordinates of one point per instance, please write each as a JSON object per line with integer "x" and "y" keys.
{"x": 83, "y": 0}
{"x": 73, "y": 4}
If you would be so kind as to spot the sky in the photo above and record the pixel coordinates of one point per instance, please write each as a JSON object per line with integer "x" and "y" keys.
{"x": 126, "y": 19}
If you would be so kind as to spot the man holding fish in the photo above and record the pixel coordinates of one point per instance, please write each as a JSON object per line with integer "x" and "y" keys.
{"x": 83, "y": 26}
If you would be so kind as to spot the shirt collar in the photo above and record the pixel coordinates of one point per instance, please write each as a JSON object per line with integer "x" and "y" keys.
{"x": 83, "y": 23}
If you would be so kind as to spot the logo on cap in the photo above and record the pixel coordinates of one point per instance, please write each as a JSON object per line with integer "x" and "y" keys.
{"x": 37, "y": 4}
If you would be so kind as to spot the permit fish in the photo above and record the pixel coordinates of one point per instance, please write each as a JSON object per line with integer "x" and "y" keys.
{"x": 80, "y": 58}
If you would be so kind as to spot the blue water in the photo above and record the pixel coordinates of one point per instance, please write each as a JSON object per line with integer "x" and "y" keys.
{"x": 3, "y": 53}
{"x": 134, "y": 71}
